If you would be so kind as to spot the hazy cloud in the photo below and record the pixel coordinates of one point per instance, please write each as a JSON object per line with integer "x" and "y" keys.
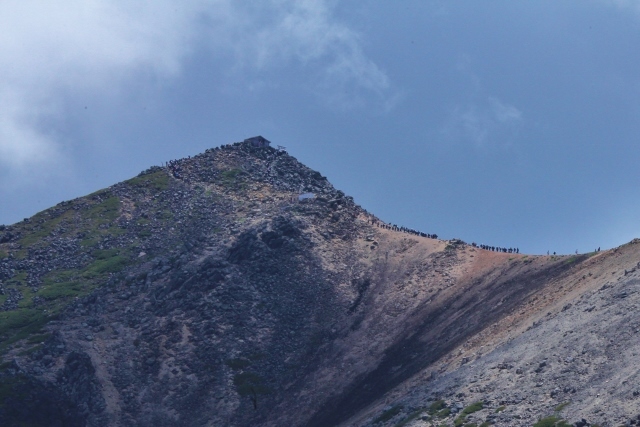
{"x": 504, "y": 113}
{"x": 492, "y": 121}
{"x": 52, "y": 49}
{"x": 274, "y": 34}
{"x": 627, "y": 4}
{"x": 49, "y": 49}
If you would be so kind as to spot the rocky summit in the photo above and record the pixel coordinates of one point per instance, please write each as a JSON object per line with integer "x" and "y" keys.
{"x": 240, "y": 288}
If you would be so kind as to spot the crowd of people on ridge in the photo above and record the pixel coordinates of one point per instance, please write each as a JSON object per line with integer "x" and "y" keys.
{"x": 393, "y": 227}
{"x": 497, "y": 249}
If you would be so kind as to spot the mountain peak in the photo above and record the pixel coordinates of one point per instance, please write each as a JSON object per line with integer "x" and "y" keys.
{"x": 239, "y": 287}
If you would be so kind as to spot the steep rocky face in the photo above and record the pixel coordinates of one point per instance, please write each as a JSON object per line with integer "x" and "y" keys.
{"x": 207, "y": 292}
{"x": 196, "y": 291}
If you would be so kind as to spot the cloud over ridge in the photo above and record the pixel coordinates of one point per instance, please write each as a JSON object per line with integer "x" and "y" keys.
{"x": 49, "y": 50}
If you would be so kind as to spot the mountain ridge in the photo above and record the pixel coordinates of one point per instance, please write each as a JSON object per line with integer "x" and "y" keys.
{"x": 207, "y": 292}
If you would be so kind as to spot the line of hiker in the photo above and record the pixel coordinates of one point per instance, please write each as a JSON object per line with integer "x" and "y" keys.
{"x": 393, "y": 227}
{"x": 497, "y": 249}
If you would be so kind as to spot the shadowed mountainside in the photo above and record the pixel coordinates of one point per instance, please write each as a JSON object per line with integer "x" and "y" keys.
{"x": 207, "y": 293}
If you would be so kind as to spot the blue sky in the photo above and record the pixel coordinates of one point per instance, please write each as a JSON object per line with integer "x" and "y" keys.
{"x": 500, "y": 122}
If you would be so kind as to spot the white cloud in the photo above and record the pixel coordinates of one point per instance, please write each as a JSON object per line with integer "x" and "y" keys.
{"x": 274, "y": 34}
{"x": 49, "y": 48}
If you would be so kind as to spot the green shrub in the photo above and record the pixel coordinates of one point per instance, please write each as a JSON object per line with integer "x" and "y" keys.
{"x": 474, "y": 407}
{"x": 109, "y": 265}
{"x": 155, "y": 181}
{"x": 37, "y": 339}
{"x": 561, "y": 406}
{"x": 388, "y": 414}
{"x": 414, "y": 415}
{"x": 145, "y": 233}
{"x": 105, "y": 253}
{"x": 437, "y": 406}
{"x": 19, "y": 324}
{"x": 231, "y": 177}
{"x": 551, "y": 421}
{"x": 108, "y": 209}
{"x": 444, "y": 413}
{"x": 61, "y": 290}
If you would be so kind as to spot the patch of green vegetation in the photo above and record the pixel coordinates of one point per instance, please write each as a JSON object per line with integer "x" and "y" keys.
{"x": 474, "y": 407}
{"x": 61, "y": 286}
{"x": 89, "y": 242}
{"x": 59, "y": 276}
{"x": 18, "y": 279}
{"x": 157, "y": 181}
{"x": 27, "y": 300}
{"x": 444, "y": 413}
{"x": 230, "y": 177}
{"x": 571, "y": 259}
{"x": 93, "y": 219}
{"x": 39, "y": 232}
{"x": 437, "y": 406}
{"x": 412, "y": 416}
{"x": 61, "y": 290}
{"x": 145, "y": 233}
{"x": 105, "y": 211}
{"x": 388, "y": 414}
{"x": 551, "y": 421}
{"x": 500, "y": 409}
{"x": 38, "y": 338}
{"x": 485, "y": 424}
{"x": 237, "y": 363}
{"x": 561, "y": 406}
{"x": 105, "y": 253}
{"x": 19, "y": 324}
{"x": 107, "y": 265}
